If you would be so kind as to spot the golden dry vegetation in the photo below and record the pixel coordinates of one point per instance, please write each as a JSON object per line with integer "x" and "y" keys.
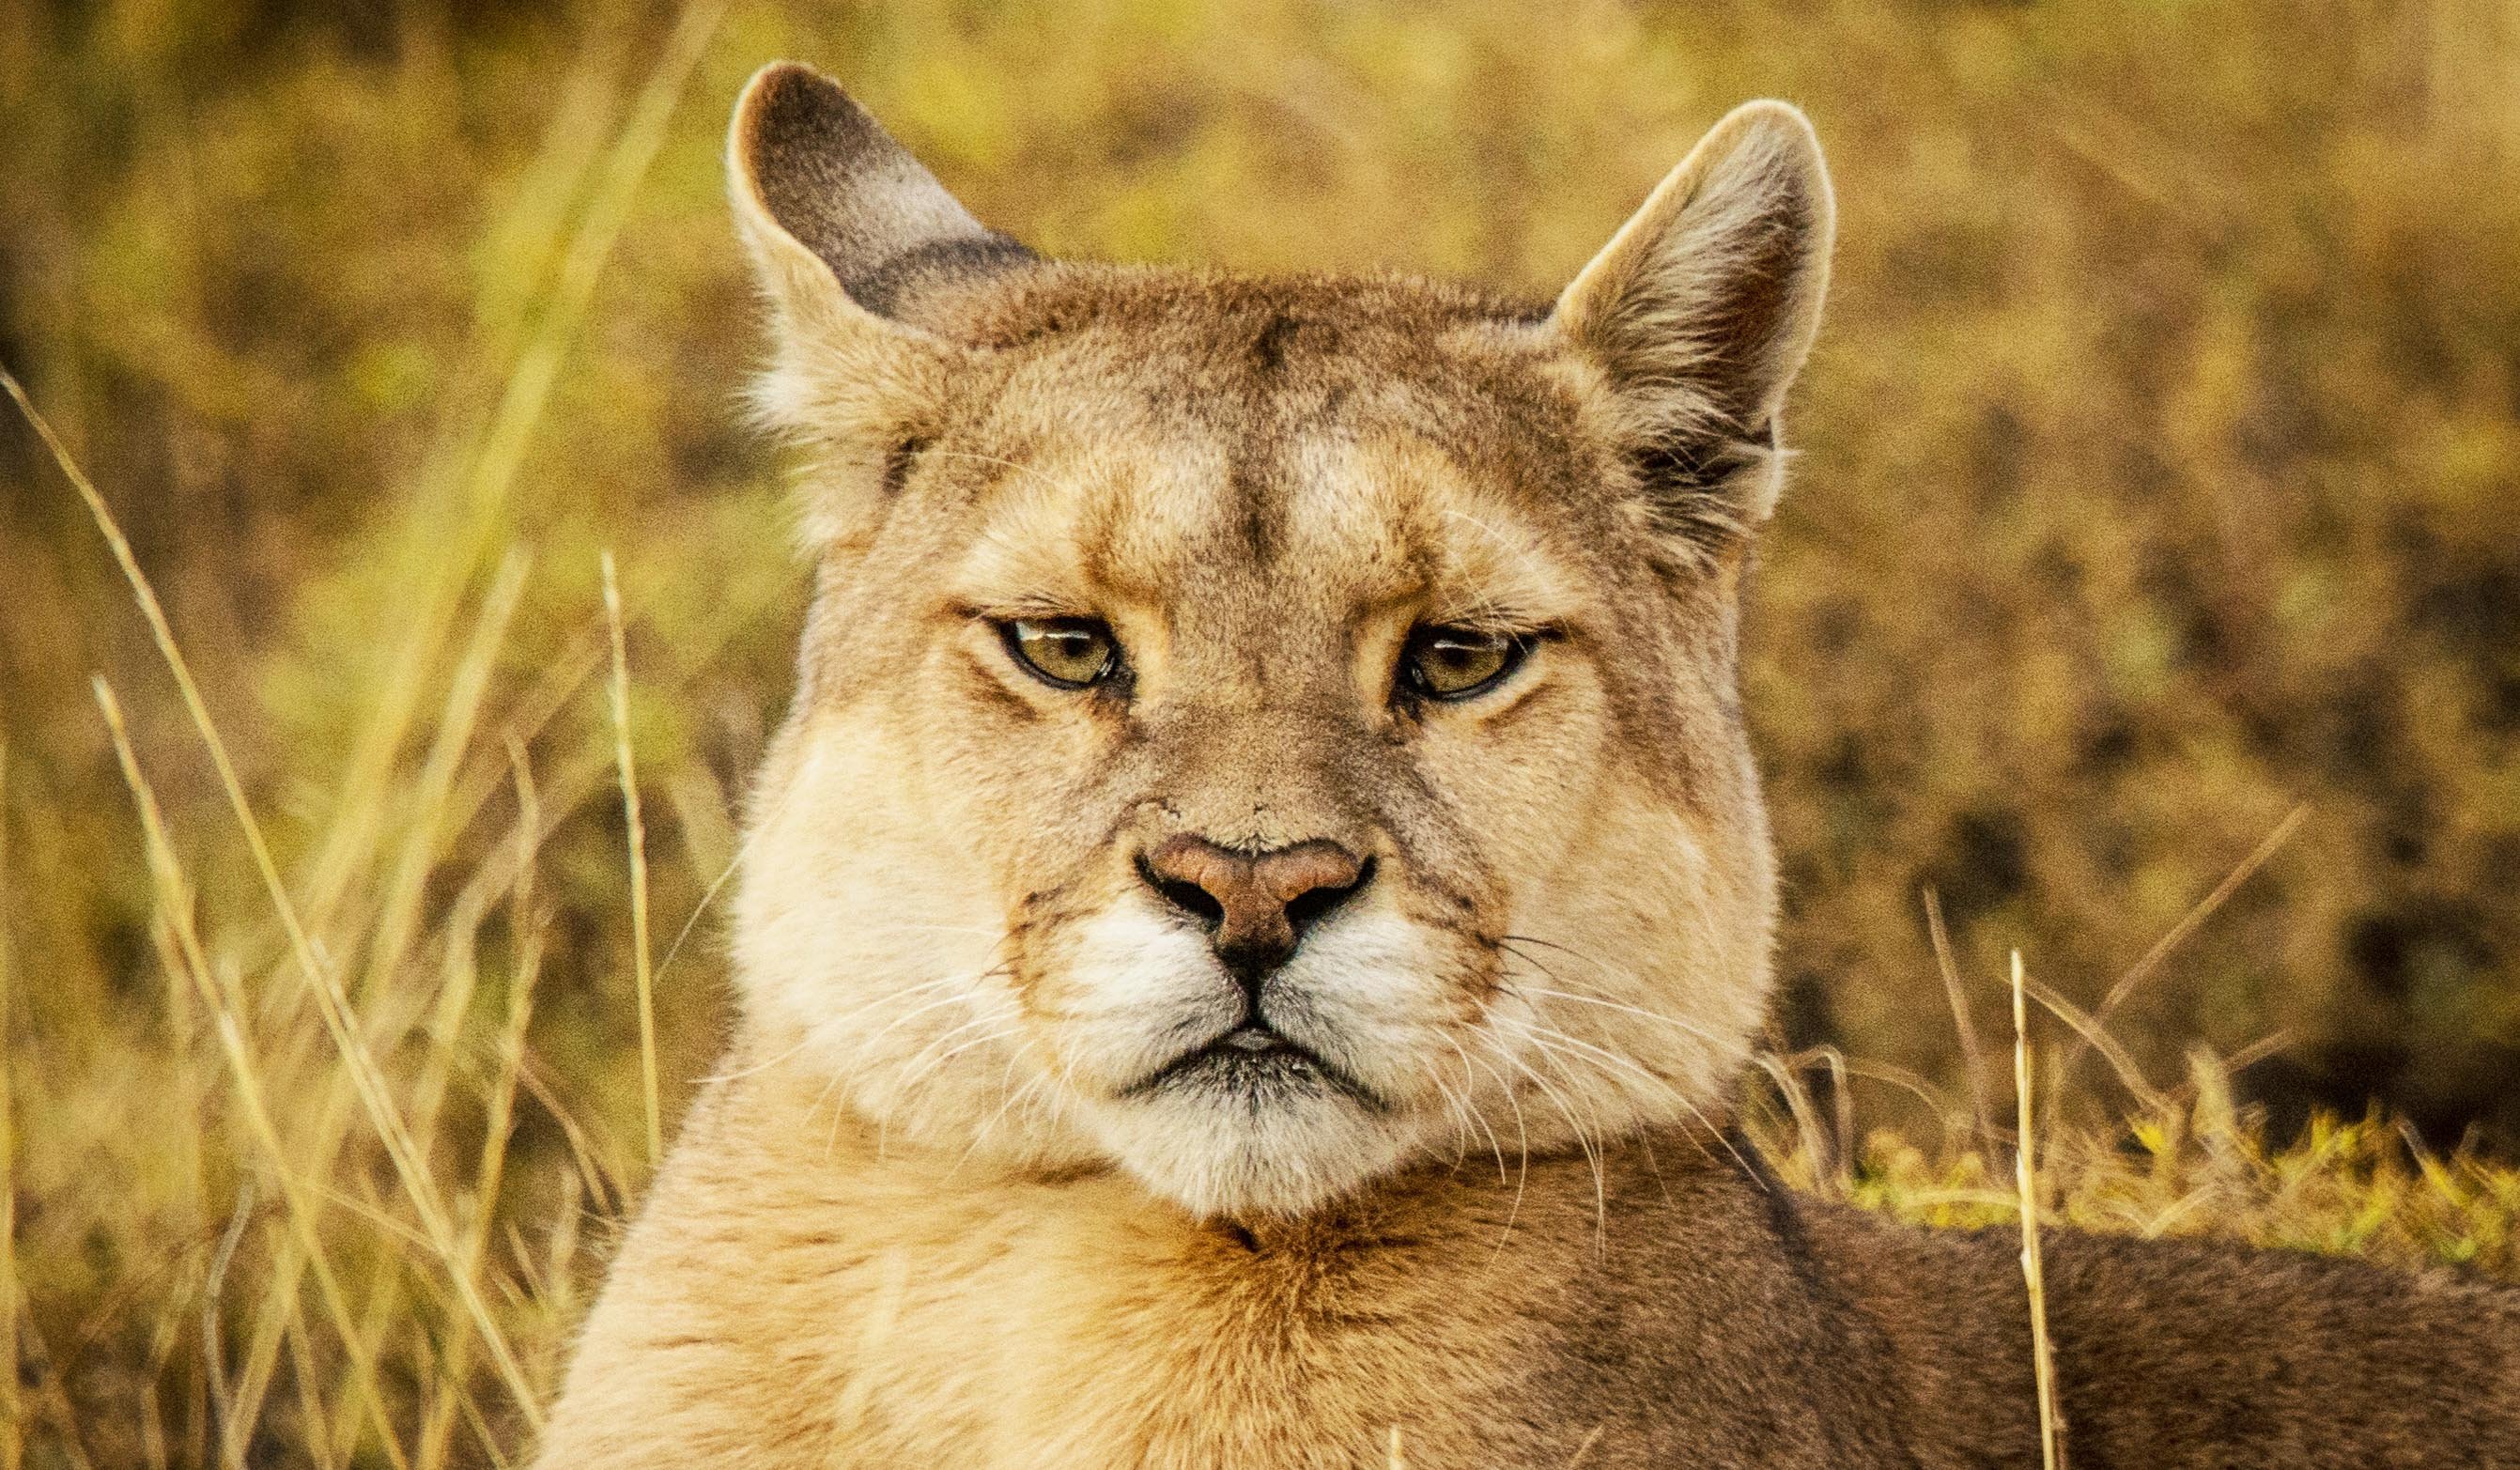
{"x": 2150, "y": 592}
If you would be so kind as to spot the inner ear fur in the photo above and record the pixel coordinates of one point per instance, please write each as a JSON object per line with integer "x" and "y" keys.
{"x": 844, "y": 227}
{"x": 1700, "y": 311}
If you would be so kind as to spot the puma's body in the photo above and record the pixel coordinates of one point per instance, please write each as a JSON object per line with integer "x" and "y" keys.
{"x": 797, "y": 1299}
{"x": 1263, "y": 747}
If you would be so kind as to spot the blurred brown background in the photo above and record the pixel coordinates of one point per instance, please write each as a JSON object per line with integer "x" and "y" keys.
{"x": 2157, "y": 476}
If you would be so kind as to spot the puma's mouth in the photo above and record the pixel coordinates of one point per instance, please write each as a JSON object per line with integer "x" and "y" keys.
{"x": 1255, "y": 1061}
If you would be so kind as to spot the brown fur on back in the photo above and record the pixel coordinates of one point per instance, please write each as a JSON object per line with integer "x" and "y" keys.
{"x": 1022, "y": 1161}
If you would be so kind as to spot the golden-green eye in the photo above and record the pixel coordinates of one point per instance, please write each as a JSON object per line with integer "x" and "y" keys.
{"x": 1455, "y": 663}
{"x": 1071, "y": 652}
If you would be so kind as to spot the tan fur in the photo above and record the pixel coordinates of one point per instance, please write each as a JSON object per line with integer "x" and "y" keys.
{"x": 969, "y": 1192}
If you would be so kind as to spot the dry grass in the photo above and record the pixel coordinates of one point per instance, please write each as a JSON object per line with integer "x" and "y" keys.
{"x": 335, "y": 1053}
{"x": 2026, "y": 1176}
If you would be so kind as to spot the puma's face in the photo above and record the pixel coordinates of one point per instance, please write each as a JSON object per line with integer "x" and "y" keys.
{"x": 1255, "y": 733}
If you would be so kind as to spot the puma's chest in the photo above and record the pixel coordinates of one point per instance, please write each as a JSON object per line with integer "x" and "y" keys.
{"x": 1084, "y": 1340}
{"x": 805, "y": 1305}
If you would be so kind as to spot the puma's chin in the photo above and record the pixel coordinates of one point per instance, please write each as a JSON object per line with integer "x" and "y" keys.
{"x": 1270, "y": 1101}
{"x": 1227, "y": 1137}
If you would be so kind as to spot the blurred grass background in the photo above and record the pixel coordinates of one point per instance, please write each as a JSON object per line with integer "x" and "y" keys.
{"x": 2149, "y": 592}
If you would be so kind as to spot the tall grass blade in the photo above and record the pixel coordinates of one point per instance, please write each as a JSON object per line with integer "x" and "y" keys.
{"x": 13, "y": 1447}
{"x": 2051, "y": 1428}
{"x": 628, "y": 767}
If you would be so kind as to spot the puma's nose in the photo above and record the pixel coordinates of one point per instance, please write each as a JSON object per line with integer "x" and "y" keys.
{"x": 1255, "y": 905}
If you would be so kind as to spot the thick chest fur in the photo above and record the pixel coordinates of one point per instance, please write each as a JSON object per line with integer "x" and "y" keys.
{"x": 791, "y": 1300}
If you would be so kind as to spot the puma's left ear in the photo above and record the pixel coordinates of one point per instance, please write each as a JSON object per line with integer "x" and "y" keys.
{"x": 1701, "y": 309}
{"x": 846, "y": 230}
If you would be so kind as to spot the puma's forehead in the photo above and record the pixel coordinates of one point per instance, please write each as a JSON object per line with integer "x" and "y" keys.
{"x": 1267, "y": 323}
{"x": 1146, "y": 432}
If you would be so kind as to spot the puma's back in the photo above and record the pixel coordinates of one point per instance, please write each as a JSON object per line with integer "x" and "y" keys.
{"x": 1250, "y": 932}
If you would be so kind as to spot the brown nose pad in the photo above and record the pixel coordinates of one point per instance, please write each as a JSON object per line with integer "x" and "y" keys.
{"x": 1256, "y": 906}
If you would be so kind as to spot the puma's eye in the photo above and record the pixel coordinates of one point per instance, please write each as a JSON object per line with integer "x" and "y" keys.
{"x": 1455, "y": 663}
{"x": 1071, "y": 652}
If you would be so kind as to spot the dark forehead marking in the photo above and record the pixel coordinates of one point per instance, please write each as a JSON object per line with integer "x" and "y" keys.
{"x": 1258, "y": 491}
{"x": 1269, "y": 347}
{"x": 1259, "y": 499}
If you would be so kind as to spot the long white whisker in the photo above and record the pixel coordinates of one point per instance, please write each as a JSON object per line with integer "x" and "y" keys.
{"x": 1538, "y": 1037}
{"x": 1541, "y": 1038}
{"x": 931, "y": 1070}
{"x": 1693, "y": 1029}
{"x": 919, "y": 1063}
{"x": 1523, "y": 1172}
{"x": 1605, "y": 1055}
{"x": 859, "y": 1055}
{"x": 734, "y": 860}
{"x": 765, "y": 1064}
{"x": 986, "y": 1129}
{"x": 1557, "y": 1060}
{"x": 889, "y": 998}
{"x": 1462, "y": 1133}
{"x": 1583, "y": 1141}
{"x": 1469, "y": 1095}
{"x": 1690, "y": 1028}
{"x": 1608, "y": 1056}
{"x": 1541, "y": 1035}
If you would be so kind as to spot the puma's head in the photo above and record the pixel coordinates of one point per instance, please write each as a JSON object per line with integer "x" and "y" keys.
{"x": 1255, "y": 733}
